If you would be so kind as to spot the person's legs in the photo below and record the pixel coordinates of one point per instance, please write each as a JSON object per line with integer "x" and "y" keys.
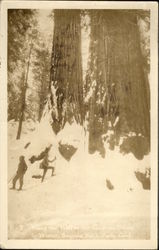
{"x": 52, "y": 169}
{"x": 21, "y": 182}
{"x": 44, "y": 173}
{"x": 14, "y": 181}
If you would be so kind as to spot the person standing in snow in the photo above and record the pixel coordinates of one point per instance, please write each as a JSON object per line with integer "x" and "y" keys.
{"x": 45, "y": 164}
{"x": 22, "y": 167}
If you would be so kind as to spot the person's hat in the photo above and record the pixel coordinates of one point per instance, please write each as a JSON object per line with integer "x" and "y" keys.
{"x": 21, "y": 157}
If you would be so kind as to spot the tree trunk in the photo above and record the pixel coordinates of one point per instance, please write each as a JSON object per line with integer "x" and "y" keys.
{"x": 20, "y": 121}
{"x": 66, "y": 69}
{"x": 95, "y": 81}
{"x": 42, "y": 98}
{"x": 116, "y": 67}
{"x": 24, "y": 89}
{"x": 21, "y": 118}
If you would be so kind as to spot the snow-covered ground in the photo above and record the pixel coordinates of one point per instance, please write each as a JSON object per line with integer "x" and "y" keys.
{"x": 75, "y": 203}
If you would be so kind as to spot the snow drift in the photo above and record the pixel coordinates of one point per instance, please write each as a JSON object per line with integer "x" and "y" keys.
{"x": 77, "y": 197}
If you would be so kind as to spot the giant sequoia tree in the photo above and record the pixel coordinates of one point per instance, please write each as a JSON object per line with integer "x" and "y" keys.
{"x": 115, "y": 95}
{"x": 66, "y": 69}
{"x": 116, "y": 76}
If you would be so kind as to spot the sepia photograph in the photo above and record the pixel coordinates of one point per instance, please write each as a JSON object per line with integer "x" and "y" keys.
{"x": 79, "y": 124}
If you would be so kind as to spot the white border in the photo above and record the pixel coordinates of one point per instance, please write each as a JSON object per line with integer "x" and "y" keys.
{"x": 74, "y": 244}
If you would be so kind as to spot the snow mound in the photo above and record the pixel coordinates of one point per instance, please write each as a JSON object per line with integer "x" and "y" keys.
{"x": 70, "y": 134}
{"x": 120, "y": 169}
{"x": 79, "y": 188}
{"x": 116, "y": 168}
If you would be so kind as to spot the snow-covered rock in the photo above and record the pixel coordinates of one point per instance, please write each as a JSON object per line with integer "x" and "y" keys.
{"x": 69, "y": 138}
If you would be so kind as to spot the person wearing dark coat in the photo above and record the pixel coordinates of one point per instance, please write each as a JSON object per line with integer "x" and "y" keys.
{"x": 22, "y": 167}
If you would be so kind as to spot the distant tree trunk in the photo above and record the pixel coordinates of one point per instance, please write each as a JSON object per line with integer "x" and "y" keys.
{"x": 23, "y": 99}
{"x": 42, "y": 98}
{"x": 66, "y": 69}
{"x": 116, "y": 73}
{"x": 40, "y": 105}
{"x": 41, "y": 74}
{"x": 21, "y": 118}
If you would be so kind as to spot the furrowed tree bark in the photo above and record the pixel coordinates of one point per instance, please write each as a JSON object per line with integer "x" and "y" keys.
{"x": 116, "y": 67}
{"x": 66, "y": 69}
{"x": 95, "y": 80}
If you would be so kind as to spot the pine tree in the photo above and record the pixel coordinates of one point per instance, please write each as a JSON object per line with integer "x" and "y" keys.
{"x": 21, "y": 33}
{"x": 41, "y": 74}
{"x": 19, "y": 24}
{"x": 23, "y": 94}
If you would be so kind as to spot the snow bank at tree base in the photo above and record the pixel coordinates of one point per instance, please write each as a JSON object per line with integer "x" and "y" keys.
{"x": 76, "y": 200}
{"x": 117, "y": 168}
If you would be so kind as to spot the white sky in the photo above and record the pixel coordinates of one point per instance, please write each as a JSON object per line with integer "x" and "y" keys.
{"x": 45, "y": 22}
{"x": 46, "y": 25}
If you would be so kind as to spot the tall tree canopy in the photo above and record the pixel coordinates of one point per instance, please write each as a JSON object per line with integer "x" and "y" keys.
{"x": 20, "y": 22}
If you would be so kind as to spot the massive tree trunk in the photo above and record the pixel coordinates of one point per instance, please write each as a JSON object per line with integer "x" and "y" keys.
{"x": 116, "y": 74}
{"x": 66, "y": 69}
{"x": 96, "y": 84}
